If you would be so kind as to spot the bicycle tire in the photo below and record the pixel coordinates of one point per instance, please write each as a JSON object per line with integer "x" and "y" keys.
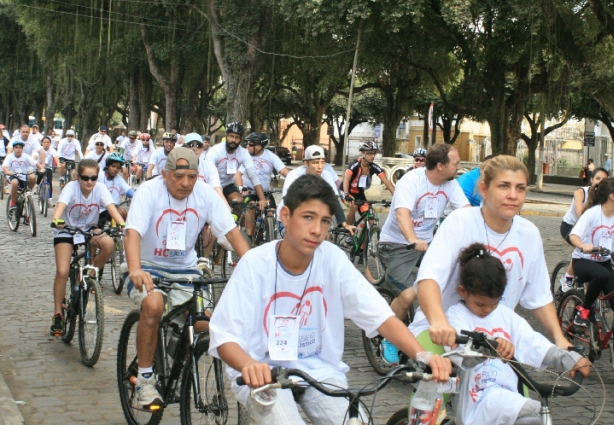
{"x": 2, "y": 184}
{"x": 579, "y": 336}
{"x": 12, "y": 216}
{"x": 127, "y": 369}
{"x": 43, "y": 199}
{"x": 374, "y": 269}
{"x": 229, "y": 266}
{"x": 116, "y": 261}
{"x": 557, "y": 273}
{"x": 32, "y": 215}
{"x": 211, "y": 376}
{"x": 91, "y": 322}
{"x": 69, "y": 310}
{"x": 400, "y": 417}
{"x": 270, "y": 229}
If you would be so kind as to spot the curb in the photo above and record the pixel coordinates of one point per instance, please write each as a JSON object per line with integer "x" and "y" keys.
{"x": 9, "y": 412}
{"x": 527, "y": 212}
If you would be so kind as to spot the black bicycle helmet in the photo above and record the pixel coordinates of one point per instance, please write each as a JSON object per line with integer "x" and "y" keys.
{"x": 235, "y": 127}
{"x": 259, "y": 138}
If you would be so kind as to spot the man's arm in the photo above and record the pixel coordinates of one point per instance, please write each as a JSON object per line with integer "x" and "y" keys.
{"x": 429, "y": 298}
{"x": 239, "y": 244}
{"x": 387, "y": 183}
{"x": 139, "y": 277}
{"x": 41, "y": 156}
{"x": 403, "y": 216}
{"x": 239, "y": 179}
{"x": 284, "y": 171}
{"x": 346, "y": 182}
{"x": 547, "y": 317}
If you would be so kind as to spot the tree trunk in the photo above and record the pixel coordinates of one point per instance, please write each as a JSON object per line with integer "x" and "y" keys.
{"x": 50, "y": 108}
{"x": 145, "y": 89}
{"x": 134, "y": 109}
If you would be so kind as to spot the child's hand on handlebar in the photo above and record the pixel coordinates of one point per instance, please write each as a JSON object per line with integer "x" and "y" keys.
{"x": 505, "y": 348}
{"x": 586, "y": 248}
{"x": 257, "y": 374}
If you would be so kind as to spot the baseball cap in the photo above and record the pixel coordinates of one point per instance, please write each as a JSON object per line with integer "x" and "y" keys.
{"x": 103, "y": 128}
{"x": 313, "y": 152}
{"x": 181, "y": 153}
{"x": 18, "y": 142}
{"x": 192, "y": 137}
{"x": 70, "y": 133}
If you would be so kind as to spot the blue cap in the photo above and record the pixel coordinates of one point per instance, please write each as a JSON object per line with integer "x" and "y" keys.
{"x": 18, "y": 142}
{"x": 102, "y": 127}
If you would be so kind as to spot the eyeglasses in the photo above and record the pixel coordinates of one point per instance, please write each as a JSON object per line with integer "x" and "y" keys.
{"x": 99, "y": 144}
{"x": 419, "y": 159}
{"x": 70, "y": 135}
{"x": 133, "y": 137}
{"x": 88, "y": 178}
{"x": 194, "y": 145}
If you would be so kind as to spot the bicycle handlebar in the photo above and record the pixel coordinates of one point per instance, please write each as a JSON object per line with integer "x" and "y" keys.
{"x": 111, "y": 231}
{"x": 196, "y": 281}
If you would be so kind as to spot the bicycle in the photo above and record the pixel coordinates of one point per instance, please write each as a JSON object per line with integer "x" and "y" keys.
{"x": 471, "y": 340}
{"x": 69, "y": 165}
{"x": 83, "y": 299}
{"x": 24, "y": 207}
{"x": 116, "y": 260}
{"x": 597, "y": 334}
{"x": 131, "y": 174}
{"x": 364, "y": 242}
{"x": 181, "y": 363}
{"x": 265, "y": 229}
{"x": 2, "y": 183}
{"x": 557, "y": 273}
{"x": 44, "y": 189}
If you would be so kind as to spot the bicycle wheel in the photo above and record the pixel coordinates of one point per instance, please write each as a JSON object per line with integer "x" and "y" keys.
{"x": 127, "y": 370}
{"x": 211, "y": 375}
{"x": 557, "y": 273}
{"x": 91, "y": 322}
{"x": 31, "y": 213}
{"x": 116, "y": 260}
{"x": 2, "y": 184}
{"x": 12, "y": 215}
{"x": 578, "y": 335}
{"x": 43, "y": 199}
{"x": 400, "y": 417}
{"x": 270, "y": 229}
{"x": 68, "y": 306}
{"x": 374, "y": 269}
{"x": 230, "y": 259}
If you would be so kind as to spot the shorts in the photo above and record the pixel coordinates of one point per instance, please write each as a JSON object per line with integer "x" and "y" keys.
{"x": 179, "y": 293}
{"x": 21, "y": 184}
{"x": 360, "y": 196}
{"x": 252, "y": 197}
{"x": 399, "y": 263}
{"x": 230, "y": 189}
{"x": 69, "y": 162}
{"x": 65, "y": 239}
{"x": 566, "y": 231}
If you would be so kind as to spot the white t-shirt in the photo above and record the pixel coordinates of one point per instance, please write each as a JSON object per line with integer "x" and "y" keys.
{"x": 131, "y": 149}
{"x": 329, "y": 291}
{"x": 38, "y": 136}
{"x": 520, "y": 250}
{"x": 265, "y": 164}
{"x": 102, "y": 163}
{"x": 122, "y": 139}
{"x": 208, "y": 173}
{"x": 117, "y": 186}
{"x": 485, "y": 386}
{"x": 570, "y": 216}
{"x": 68, "y": 148}
{"x": 158, "y": 160}
{"x": 414, "y": 192}
{"x": 225, "y": 161}
{"x": 83, "y": 211}
{"x": 144, "y": 155}
{"x": 295, "y": 174}
{"x": 99, "y": 137}
{"x": 330, "y": 170}
{"x": 595, "y": 228}
{"x": 152, "y": 210}
{"x": 19, "y": 165}
{"x": 31, "y": 145}
{"x": 49, "y": 154}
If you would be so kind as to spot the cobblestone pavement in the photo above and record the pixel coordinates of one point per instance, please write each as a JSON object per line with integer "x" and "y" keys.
{"x": 56, "y": 388}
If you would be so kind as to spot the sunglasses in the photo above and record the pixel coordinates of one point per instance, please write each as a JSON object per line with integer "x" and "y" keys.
{"x": 99, "y": 144}
{"x": 88, "y": 178}
{"x": 70, "y": 136}
{"x": 133, "y": 137}
{"x": 194, "y": 145}
{"x": 419, "y": 159}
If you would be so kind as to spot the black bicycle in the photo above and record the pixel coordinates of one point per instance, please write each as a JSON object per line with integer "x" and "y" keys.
{"x": 69, "y": 165}
{"x": 24, "y": 207}
{"x": 44, "y": 190}
{"x": 83, "y": 298}
{"x": 186, "y": 374}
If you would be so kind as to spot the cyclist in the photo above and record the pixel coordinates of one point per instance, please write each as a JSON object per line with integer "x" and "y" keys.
{"x": 4, "y": 133}
{"x": 174, "y": 204}
{"x": 267, "y": 163}
{"x": 313, "y": 161}
{"x": 296, "y": 293}
{"x": 121, "y": 139}
{"x": 4, "y": 141}
{"x": 116, "y": 185}
{"x": 507, "y": 236}
{"x": 36, "y": 134}
{"x": 594, "y": 230}
{"x": 50, "y": 155}
{"x": 99, "y": 154}
{"x": 419, "y": 159}
{"x": 143, "y": 157}
{"x": 78, "y": 206}
{"x": 68, "y": 149}
{"x": 482, "y": 284}
{"x": 228, "y": 157}
{"x": 158, "y": 158}
{"x": 206, "y": 170}
{"x": 418, "y": 203}
{"x": 130, "y": 150}
{"x": 578, "y": 204}
{"x": 19, "y": 162}
{"x": 101, "y": 136}
{"x": 206, "y": 147}
{"x": 30, "y": 144}
{"x": 178, "y": 136}
{"x": 358, "y": 179}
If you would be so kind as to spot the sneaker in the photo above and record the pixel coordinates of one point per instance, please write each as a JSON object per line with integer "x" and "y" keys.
{"x": 13, "y": 205}
{"x": 146, "y": 390}
{"x": 26, "y": 220}
{"x": 57, "y": 325}
{"x": 566, "y": 283}
{"x": 62, "y": 180}
{"x": 581, "y": 317}
{"x": 390, "y": 353}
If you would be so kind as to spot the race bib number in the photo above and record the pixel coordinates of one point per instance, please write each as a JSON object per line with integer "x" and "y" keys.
{"x": 78, "y": 239}
{"x": 175, "y": 238}
{"x": 283, "y": 337}
{"x": 231, "y": 167}
{"x": 430, "y": 211}
{"x": 362, "y": 182}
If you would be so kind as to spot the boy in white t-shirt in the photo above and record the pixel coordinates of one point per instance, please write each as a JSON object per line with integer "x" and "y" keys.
{"x": 485, "y": 383}
{"x": 309, "y": 286}
{"x": 16, "y": 165}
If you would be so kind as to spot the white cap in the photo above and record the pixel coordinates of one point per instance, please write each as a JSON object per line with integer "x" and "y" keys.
{"x": 70, "y": 133}
{"x": 313, "y": 152}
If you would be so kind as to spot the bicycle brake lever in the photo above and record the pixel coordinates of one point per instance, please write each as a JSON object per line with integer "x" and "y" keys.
{"x": 465, "y": 351}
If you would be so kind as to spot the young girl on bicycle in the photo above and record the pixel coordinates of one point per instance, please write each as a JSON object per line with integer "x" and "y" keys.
{"x": 486, "y": 384}
{"x": 79, "y": 205}
{"x": 578, "y": 204}
{"x": 594, "y": 229}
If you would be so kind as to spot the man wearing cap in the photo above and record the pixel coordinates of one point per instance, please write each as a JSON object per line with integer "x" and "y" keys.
{"x": 30, "y": 144}
{"x": 36, "y": 134}
{"x": 68, "y": 149}
{"x": 607, "y": 163}
{"x": 313, "y": 163}
{"x": 101, "y": 136}
{"x": 20, "y": 162}
{"x": 161, "y": 231}
{"x": 157, "y": 160}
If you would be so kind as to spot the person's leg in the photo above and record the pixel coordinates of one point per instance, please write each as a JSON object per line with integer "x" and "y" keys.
{"x": 49, "y": 172}
{"x": 596, "y": 278}
{"x": 106, "y": 246}
{"x": 351, "y": 215}
{"x": 565, "y": 230}
{"x": 208, "y": 241}
{"x": 152, "y": 307}
{"x": 250, "y": 220}
{"x": 63, "y": 253}
{"x": 283, "y": 411}
{"x": 14, "y": 186}
{"x": 62, "y": 169}
{"x": 31, "y": 181}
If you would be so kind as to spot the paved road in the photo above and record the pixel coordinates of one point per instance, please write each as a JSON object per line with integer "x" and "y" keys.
{"x": 48, "y": 376}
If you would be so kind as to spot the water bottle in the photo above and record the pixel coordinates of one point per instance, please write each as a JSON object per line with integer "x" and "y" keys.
{"x": 258, "y": 224}
{"x": 171, "y": 346}
{"x": 422, "y": 410}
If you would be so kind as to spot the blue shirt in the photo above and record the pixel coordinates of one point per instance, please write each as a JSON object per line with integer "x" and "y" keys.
{"x": 607, "y": 165}
{"x": 468, "y": 182}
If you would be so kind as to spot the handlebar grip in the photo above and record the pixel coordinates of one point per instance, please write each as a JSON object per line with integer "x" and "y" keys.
{"x": 240, "y": 381}
{"x": 276, "y": 372}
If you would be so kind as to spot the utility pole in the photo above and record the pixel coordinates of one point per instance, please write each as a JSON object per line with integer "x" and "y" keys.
{"x": 346, "y": 144}
{"x": 540, "y": 163}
